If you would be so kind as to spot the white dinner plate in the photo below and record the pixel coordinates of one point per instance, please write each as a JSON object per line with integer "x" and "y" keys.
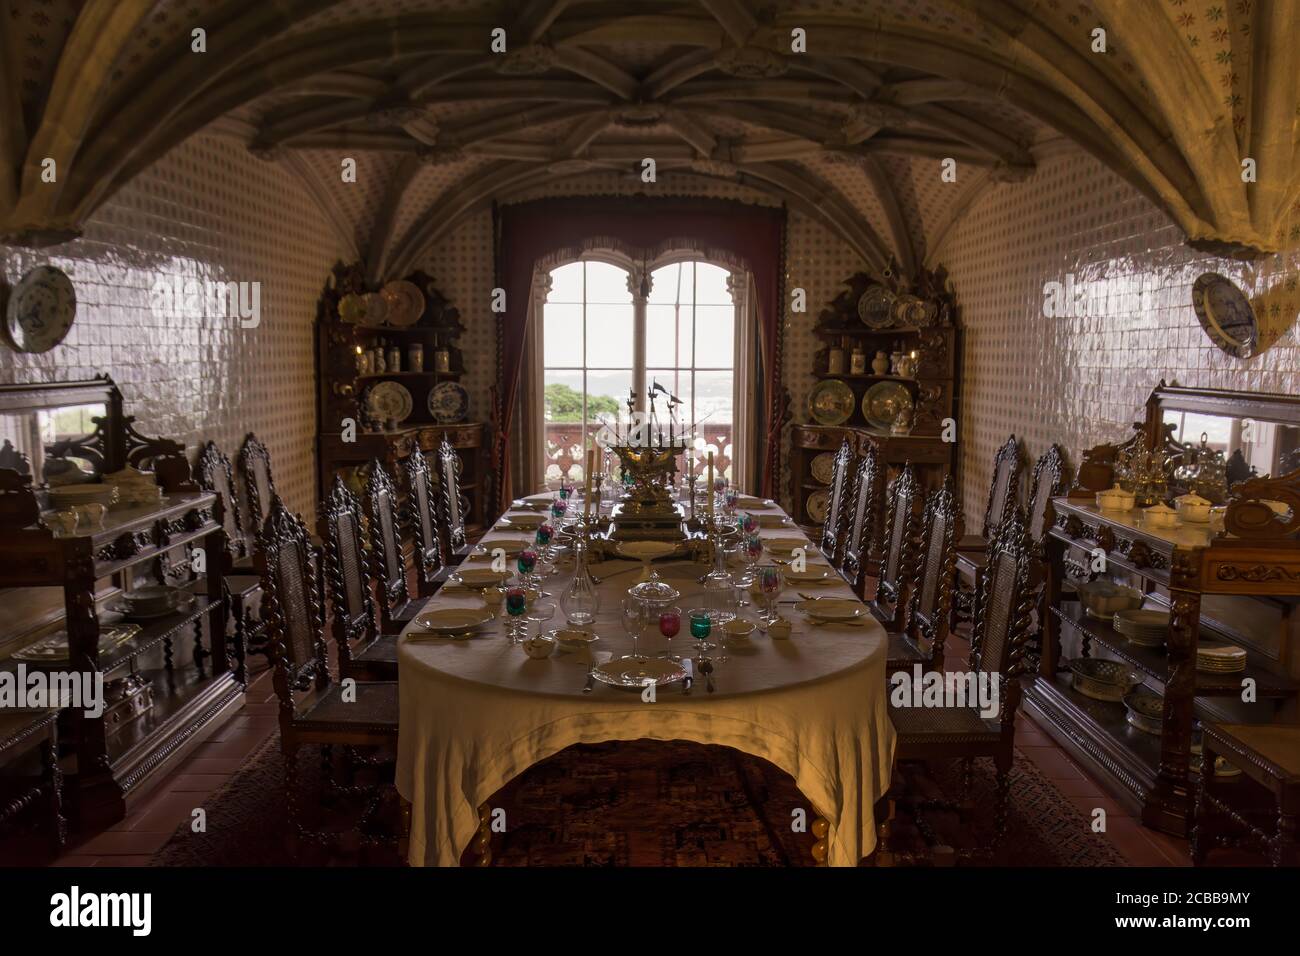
{"x": 786, "y": 545}
{"x": 811, "y": 576}
{"x": 832, "y": 609}
{"x": 525, "y": 522}
{"x": 454, "y": 620}
{"x": 479, "y": 577}
{"x": 632, "y": 672}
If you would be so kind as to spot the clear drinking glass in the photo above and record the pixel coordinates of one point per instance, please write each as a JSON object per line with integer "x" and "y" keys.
{"x": 539, "y": 614}
{"x": 770, "y": 582}
{"x": 633, "y": 622}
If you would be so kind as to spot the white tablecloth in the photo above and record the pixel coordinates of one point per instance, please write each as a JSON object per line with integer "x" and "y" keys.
{"x": 476, "y": 713}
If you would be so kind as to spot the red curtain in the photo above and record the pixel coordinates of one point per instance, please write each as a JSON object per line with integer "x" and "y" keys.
{"x": 527, "y": 232}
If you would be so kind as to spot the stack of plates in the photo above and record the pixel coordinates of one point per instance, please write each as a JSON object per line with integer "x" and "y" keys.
{"x": 453, "y": 622}
{"x": 69, "y": 496}
{"x": 1220, "y": 659}
{"x": 1143, "y": 628}
{"x": 154, "y": 601}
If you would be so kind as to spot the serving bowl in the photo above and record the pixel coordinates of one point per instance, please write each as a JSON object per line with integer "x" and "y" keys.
{"x": 1102, "y": 680}
{"x": 1162, "y": 516}
{"x": 1145, "y": 710}
{"x": 1192, "y": 507}
{"x": 1116, "y": 499}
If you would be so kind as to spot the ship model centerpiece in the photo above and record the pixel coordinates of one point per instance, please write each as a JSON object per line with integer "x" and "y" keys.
{"x": 648, "y": 455}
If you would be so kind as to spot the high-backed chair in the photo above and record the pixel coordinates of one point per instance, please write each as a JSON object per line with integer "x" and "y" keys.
{"x": 1004, "y": 490}
{"x": 259, "y": 484}
{"x": 362, "y": 652}
{"x": 862, "y": 537}
{"x": 313, "y": 709}
{"x": 388, "y": 567}
{"x": 997, "y": 651}
{"x": 451, "y": 505}
{"x": 214, "y": 473}
{"x": 833, "y": 525}
{"x": 430, "y": 570}
{"x": 901, "y": 505}
{"x": 928, "y": 612}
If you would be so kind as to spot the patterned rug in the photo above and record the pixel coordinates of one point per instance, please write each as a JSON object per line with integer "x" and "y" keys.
{"x": 645, "y": 803}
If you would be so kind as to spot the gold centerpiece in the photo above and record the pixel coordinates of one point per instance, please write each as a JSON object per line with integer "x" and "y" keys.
{"x": 647, "y": 511}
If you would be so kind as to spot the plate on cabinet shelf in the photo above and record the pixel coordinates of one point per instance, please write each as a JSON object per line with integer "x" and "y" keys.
{"x": 818, "y": 504}
{"x": 908, "y": 310}
{"x": 404, "y": 301}
{"x": 376, "y": 308}
{"x": 448, "y": 403}
{"x": 883, "y": 402}
{"x": 41, "y": 309}
{"x": 352, "y": 308}
{"x": 389, "y": 400}
{"x": 876, "y": 308}
{"x": 823, "y": 467}
{"x": 831, "y": 402}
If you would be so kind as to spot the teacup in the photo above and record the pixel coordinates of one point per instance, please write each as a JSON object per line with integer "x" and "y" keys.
{"x": 90, "y": 517}
{"x": 539, "y": 647}
{"x": 779, "y": 629}
{"x": 493, "y": 598}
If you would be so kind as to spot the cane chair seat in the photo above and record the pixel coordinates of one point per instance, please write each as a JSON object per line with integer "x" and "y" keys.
{"x": 972, "y": 542}
{"x": 903, "y": 653}
{"x": 935, "y": 726}
{"x": 243, "y": 585}
{"x": 383, "y": 650}
{"x": 374, "y": 711}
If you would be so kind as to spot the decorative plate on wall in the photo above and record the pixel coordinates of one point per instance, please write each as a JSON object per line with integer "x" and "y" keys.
{"x": 448, "y": 403}
{"x": 876, "y": 307}
{"x": 1226, "y": 315}
{"x": 831, "y": 402}
{"x": 883, "y": 402}
{"x": 405, "y": 302}
{"x": 352, "y": 308}
{"x": 908, "y": 310}
{"x": 376, "y": 308}
{"x": 389, "y": 401}
{"x": 818, "y": 504}
{"x": 823, "y": 467}
{"x": 41, "y": 310}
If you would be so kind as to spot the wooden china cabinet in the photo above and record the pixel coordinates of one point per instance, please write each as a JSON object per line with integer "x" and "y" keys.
{"x": 343, "y": 388}
{"x": 931, "y": 385}
{"x": 1234, "y": 580}
{"x": 172, "y": 683}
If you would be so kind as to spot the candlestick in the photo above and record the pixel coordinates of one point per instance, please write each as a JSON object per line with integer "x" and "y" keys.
{"x": 709, "y": 488}
{"x": 586, "y": 498}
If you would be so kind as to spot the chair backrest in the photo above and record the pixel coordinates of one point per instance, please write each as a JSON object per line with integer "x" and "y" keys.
{"x": 451, "y": 505}
{"x": 935, "y": 568}
{"x": 1004, "y": 486}
{"x": 295, "y": 627}
{"x": 347, "y": 579}
{"x": 862, "y": 538}
{"x": 838, "y": 491}
{"x": 388, "y": 567}
{"x": 1048, "y": 481}
{"x": 1003, "y": 615}
{"x": 900, "y": 531}
{"x": 420, "y": 499}
{"x": 215, "y": 473}
{"x": 255, "y": 463}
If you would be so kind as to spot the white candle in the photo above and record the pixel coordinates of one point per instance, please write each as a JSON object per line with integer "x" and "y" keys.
{"x": 710, "y": 486}
{"x": 586, "y": 498}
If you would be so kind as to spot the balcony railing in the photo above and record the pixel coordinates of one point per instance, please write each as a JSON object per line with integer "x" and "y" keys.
{"x": 564, "y": 453}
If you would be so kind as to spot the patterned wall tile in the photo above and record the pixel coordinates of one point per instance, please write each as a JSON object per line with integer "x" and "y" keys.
{"x": 1081, "y": 380}
{"x": 208, "y": 211}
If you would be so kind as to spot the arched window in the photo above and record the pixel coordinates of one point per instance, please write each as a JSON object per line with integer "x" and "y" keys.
{"x": 603, "y": 338}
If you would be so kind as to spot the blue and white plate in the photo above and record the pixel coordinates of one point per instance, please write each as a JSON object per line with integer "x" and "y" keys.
{"x": 40, "y": 310}
{"x": 448, "y": 403}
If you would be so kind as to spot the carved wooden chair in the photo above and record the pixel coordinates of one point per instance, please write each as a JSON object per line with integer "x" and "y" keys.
{"x": 1004, "y": 490}
{"x": 214, "y": 473}
{"x": 927, "y": 622}
{"x": 362, "y": 652}
{"x": 997, "y": 648}
{"x": 430, "y": 571}
{"x": 862, "y": 537}
{"x": 832, "y": 539}
{"x": 902, "y": 503}
{"x": 452, "y": 505}
{"x": 32, "y": 737}
{"x": 259, "y": 484}
{"x": 314, "y": 711}
{"x": 388, "y": 566}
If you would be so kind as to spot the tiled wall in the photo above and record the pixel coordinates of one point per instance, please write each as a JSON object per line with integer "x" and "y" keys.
{"x": 1081, "y": 380}
{"x": 207, "y": 211}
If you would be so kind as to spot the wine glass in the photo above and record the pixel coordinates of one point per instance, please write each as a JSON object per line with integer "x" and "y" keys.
{"x": 770, "y": 583}
{"x": 701, "y": 628}
{"x": 670, "y": 622}
{"x": 540, "y": 613}
{"x": 516, "y": 604}
{"x": 633, "y": 620}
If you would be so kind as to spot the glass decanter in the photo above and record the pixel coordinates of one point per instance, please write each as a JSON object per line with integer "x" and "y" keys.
{"x": 719, "y": 585}
{"x": 580, "y": 600}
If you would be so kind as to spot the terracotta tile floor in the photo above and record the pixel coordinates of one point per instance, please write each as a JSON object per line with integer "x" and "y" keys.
{"x": 132, "y": 841}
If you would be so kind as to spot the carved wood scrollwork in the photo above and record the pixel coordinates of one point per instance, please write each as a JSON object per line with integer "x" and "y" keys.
{"x": 1248, "y": 515}
{"x": 1258, "y": 573}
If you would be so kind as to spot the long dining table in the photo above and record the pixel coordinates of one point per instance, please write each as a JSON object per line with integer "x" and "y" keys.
{"x": 478, "y": 711}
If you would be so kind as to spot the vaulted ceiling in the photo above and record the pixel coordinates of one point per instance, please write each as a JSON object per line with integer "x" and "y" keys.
{"x": 844, "y": 109}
